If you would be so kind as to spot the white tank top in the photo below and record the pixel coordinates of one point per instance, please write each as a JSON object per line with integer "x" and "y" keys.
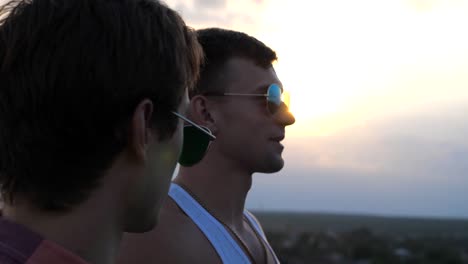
{"x": 221, "y": 240}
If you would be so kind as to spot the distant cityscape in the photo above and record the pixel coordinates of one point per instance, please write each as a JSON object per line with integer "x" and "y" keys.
{"x": 362, "y": 246}
{"x": 308, "y": 240}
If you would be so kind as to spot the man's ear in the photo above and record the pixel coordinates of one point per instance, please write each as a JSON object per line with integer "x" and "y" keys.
{"x": 140, "y": 129}
{"x": 202, "y": 112}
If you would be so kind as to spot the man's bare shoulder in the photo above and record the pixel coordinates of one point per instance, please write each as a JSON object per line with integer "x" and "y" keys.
{"x": 176, "y": 239}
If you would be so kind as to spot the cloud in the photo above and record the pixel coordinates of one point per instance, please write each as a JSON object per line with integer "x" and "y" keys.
{"x": 344, "y": 191}
{"x": 404, "y": 164}
{"x": 210, "y": 3}
{"x": 406, "y": 139}
{"x": 237, "y": 15}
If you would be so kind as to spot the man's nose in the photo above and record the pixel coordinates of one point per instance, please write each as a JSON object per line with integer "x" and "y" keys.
{"x": 284, "y": 117}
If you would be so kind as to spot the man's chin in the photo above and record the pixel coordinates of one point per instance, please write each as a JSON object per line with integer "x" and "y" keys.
{"x": 273, "y": 165}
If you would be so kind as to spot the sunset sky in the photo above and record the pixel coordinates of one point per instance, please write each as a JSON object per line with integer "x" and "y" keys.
{"x": 380, "y": 93}
{"x": 379, "y": 89}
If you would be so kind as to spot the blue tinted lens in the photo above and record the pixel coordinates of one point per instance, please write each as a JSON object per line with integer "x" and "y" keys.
{"x": 274, "y": 94}
{"x": 274, "y": 98}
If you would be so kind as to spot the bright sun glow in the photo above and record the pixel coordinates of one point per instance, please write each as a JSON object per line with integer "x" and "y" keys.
{"x": 344, "y": 59}
{"x": 347, "y": 61}
{"x": 379, "y": 89}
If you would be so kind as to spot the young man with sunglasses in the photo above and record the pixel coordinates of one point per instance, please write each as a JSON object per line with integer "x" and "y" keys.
{"x": 239, "y": 100}
{"x": 90, "y": 134}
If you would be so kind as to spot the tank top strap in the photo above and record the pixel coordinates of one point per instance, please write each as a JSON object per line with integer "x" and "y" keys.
{"x": 259, "y": 231}
{"x": 226, "y": 247}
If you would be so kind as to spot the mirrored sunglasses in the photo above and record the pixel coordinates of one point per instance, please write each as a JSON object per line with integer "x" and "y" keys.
{"x": 276, "y": 98}
{"x": 197, "y": 140}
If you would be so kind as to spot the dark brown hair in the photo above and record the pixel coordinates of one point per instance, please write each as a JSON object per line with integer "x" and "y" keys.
{"x": 220, "y": 45}
{"x": 71, "y": 74}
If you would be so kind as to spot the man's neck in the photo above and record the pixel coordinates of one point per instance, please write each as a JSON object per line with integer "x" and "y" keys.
{"x": 221, "y": 190}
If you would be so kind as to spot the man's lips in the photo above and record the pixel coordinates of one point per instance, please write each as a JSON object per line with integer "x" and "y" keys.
{"x": 277, "y": 138}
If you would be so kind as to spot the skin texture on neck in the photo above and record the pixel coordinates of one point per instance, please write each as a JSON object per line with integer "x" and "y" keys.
{"x": 220, "y": 185}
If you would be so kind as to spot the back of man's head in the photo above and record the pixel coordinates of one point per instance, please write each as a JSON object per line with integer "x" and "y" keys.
{"x": 71, "y": 74}
{"x": 220, "y": 45}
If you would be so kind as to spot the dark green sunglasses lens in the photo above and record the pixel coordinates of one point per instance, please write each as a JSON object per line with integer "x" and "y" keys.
{"x": 195, "y": 145}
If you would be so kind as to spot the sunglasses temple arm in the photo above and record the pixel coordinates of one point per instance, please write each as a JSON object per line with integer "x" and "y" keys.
{"x": 240, "y": 94}
{"x": 193, "y": 124}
